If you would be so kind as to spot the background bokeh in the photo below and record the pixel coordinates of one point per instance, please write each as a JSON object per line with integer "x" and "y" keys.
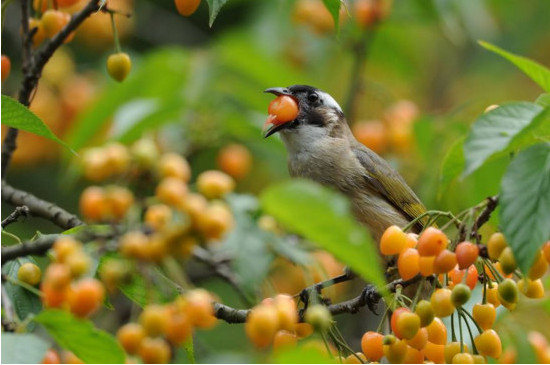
{"x": 196, "y": 89}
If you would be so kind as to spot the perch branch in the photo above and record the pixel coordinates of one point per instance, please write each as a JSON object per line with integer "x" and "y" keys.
{"x": 368, "y": 297}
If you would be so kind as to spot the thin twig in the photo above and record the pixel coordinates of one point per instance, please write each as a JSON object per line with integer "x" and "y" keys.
{"x": 40, "y": 208}
{"x": 222, "y": 270}
{"x": 357, "y": 77}
{"x": 491, "y": 204}
{"x": 22, "y": 211}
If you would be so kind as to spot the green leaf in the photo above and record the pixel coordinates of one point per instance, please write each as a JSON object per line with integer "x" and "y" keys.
{"x": 90, "y": 344}
{"x": 99, "y": 229}
{"x": 543, "y": 100}
{"x": 492, "y": 132}
{"x": 163, "y": 112}
{"x": 25, "y": 302}
{"x": 452, "y": 166}
{"x": 149, "y": 286}
{"x": 333, "y": 6}
{"x": 215, "y": 7}
{"x": 160, "y": 76}
{"x": 537, "y": 131}
{"x": 536, "y": 71}
{"x": 283, "y": 247}
{"x": 16, "y": 115}
{"x": 136, "y": 290}
{"x": 525, "y": 203}
{"x": 24, "y": 348}
{"x": 247, "y": 243}
{"x": 324, "y": 217}
{"x": 302, "y": 355}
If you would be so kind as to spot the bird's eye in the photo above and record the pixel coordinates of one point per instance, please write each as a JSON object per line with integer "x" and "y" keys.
{"x": 313, "y": 97}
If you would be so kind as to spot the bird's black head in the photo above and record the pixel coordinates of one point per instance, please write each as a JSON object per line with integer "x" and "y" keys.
{"x": 316, "y": 108}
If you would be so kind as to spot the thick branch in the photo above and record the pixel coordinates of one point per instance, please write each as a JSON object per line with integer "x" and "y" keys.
{"x": 40, "y": 208}
{"x": 38, "y": 247}
{"x": 33, "y": 65}
{"x": 10, "y": 141}
{"x": 230, "y": 315}
{"x": 41, "y": 245}
{"x": 368, "y": 297}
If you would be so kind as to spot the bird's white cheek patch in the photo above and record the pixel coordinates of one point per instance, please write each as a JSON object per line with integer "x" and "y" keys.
{"x": 329, "y": 101}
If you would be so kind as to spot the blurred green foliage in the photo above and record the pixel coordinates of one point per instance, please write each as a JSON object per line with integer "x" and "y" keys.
{"x": 199, "y": 89}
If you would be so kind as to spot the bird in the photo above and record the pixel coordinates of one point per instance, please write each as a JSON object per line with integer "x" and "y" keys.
{"x": 322, "y": 148}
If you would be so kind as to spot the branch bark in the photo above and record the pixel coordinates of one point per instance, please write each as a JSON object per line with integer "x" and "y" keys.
{"x": 38, "y": 247}
{"x": 40, "y": 208}
{"x": 482, "y": 218}
{"x": 369, "y": 297}
{"x": 34, "y": 63}
{"x": 222, "y": 269}
{"x": 21, "y": 211}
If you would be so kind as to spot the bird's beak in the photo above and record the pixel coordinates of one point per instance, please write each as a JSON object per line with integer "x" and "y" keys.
{"x": 270, "y": 127}
{"x": 278, "y": 91}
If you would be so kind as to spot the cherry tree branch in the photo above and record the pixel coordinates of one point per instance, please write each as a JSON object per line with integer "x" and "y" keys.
{"x": 38, "y": 247}
{"x": 482, "y": 218}
{"x": 33, "y": 64}
{"x": 369, "y": 297}
{"x": 222, "y": 269}
{"x": 39, "y": 208}
{"x": 22, "y": 211}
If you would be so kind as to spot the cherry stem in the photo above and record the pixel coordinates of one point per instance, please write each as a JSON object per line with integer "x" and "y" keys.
{"x": 485, "y": 280}
{"x": 115, "y": 33}
{"x": 379, "y": 329}
{"x": 22, "y": 284}
{"x": 460, "y": 330}
{"x": 436, "y": 214}
{"x": 474, "y": 348}
{"x": 480, "y": 330}
{"x": 495, "y": 272}
{"x": 417, "y": 295}
{"x": 453, "y": 335}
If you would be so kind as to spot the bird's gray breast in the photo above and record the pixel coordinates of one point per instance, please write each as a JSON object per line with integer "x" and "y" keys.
{"x": 315, "y": 156}
{"x": 331, "y": 162}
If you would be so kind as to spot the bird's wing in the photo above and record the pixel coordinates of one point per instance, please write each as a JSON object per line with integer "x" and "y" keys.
{"x": 380, "y": 176}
